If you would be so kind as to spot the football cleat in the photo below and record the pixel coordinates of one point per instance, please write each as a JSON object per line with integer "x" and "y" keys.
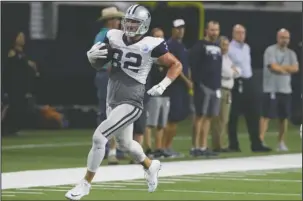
{"x": 151, "y": 175}
{"x": 78, "y": 191}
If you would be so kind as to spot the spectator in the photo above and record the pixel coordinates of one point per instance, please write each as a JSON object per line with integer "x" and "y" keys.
{"x": 110, "y": 17}
{"x": 206, "y": 64}
{"x": 229, "y": 72}
{"x": 244, "y": 91}
{"x": 157, "y": 109}
{"x": 279, "y": 63}
{"x": 19, "y": 72}
{"x": 178, "y": 90}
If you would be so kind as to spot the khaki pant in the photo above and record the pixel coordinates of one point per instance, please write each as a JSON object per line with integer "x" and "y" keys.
{"x": 219, "y": 123}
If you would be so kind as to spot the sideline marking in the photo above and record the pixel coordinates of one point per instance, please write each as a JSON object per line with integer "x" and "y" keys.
{"x": 55, "y": 177}
{"x": 244, "y": 179}
{"x": 235, "y": 193}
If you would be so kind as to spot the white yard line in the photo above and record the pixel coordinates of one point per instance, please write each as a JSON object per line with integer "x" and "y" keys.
{"x": 56, "y": 177}
{"x": 109, "y": 185}
{"x": 211, "y": 175}
{"x": 127, "y": 184}
{"x": 7, "y": 195}
{"x": 234, "y": 193}
{"x": 247, "y": 179}
{"x": 180, "y": 179}
{"x": 125, "y": 189}
{"x": 41, "y": 189}
{"x": 26, "y": 192}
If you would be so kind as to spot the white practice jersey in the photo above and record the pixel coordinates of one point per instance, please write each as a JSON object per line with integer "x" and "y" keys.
{"x": 135, "y": 59}
{"x": 131, "y": 64}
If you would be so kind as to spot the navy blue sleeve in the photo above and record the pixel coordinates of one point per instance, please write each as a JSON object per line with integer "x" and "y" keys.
{"x": 159, "y": 50}
{"x": 173, "y": 49}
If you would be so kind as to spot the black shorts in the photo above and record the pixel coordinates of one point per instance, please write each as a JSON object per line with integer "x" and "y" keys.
{"x": 276, "y": 105}
{"x": 179, "y": 103}
{"x": 207, "y": 101}
{"x": 140, "y": 124}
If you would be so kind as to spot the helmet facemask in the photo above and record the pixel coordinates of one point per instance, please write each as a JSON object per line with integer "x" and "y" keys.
{"x": 133, "y": 27}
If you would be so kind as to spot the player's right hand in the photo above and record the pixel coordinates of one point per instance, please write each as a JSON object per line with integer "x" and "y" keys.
{"x": 96, "y": 52}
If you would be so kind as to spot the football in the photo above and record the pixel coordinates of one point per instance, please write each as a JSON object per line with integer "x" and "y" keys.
{"x": 102, "y": 62}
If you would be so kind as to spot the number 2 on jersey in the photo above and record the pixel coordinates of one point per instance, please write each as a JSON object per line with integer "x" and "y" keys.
{"x": 128, "y": 64}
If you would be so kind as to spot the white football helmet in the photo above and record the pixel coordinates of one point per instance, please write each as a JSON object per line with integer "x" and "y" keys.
{"x": 136, "y": 21}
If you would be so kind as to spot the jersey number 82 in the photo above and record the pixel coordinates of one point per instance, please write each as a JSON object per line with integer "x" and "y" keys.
{"x": 132, "y": 61}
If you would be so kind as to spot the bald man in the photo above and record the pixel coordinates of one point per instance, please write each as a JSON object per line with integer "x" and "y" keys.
{"x": 245, "y": 100}
{"x": 279, "y": 63}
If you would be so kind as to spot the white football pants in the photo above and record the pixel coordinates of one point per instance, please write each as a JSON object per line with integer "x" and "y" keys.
{"x": 119, "y": 123}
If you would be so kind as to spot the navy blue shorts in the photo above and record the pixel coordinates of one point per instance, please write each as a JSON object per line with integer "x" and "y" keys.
{"x": 179, "y": 104}
{"x": 140, "y": 124}
{"x": 276, "y": 105}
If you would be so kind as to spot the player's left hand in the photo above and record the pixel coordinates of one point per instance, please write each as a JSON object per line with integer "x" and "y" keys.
{"x": 156, "y": 90}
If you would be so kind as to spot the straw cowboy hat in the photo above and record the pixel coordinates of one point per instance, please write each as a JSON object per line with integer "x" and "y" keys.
{"x": 110, "y": 12}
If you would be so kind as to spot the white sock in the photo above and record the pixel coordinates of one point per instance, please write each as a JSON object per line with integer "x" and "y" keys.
{"x": 97, "y": 152}
{"x": 112, "y": 152}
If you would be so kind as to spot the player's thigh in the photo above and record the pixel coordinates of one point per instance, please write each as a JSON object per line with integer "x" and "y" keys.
{"x": 163, "y": 117}
{"x": 269, "y": 106}
{"x": 139, "y": 124}
{"x": 284, "y": 105}
{"x": 119, "y": 118}
{"x": 152, "y": 111}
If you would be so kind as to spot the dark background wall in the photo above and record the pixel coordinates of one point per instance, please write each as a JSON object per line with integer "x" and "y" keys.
{"x": 67, "y": 78}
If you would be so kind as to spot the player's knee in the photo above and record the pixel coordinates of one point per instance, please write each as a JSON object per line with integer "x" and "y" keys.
{"x": 98, "y": 139}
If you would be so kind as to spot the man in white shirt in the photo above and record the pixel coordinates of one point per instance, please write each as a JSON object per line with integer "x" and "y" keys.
{"x": 229, "y": 72}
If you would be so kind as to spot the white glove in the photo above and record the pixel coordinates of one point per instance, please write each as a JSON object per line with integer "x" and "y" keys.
{"x": 158, "y": 89}
{"x": 95, "y": 52}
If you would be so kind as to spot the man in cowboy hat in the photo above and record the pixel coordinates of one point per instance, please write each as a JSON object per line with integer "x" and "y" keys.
{"x": 110, "y": 18}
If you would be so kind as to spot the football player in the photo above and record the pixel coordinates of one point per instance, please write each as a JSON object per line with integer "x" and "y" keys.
{"x": 133, "y": 55}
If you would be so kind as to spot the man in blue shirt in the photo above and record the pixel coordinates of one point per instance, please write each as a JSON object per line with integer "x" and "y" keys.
{"x": 110, "y": 18}
{"x": 244, "y": 91}
{"x": 179, "y": 90}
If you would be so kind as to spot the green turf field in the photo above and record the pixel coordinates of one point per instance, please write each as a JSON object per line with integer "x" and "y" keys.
{"x": 251, "y": 185}
{"x": 37, "y": 150}
{"x": 34, "y": 150}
